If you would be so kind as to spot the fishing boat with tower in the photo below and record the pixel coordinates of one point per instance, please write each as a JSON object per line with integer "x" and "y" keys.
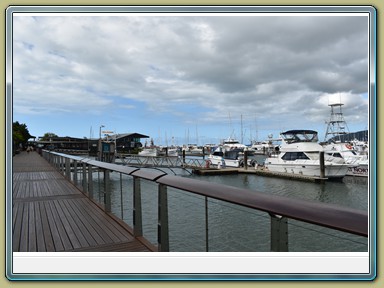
{"x": 335, "y": 144}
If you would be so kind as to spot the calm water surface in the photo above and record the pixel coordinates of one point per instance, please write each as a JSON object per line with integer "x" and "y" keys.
{"x": 235, "y": 228}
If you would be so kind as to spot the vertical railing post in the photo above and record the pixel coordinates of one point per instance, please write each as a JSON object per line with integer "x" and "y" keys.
{"x": 63, "y": 165}
{"x": 279, "y": 233}
{"x": 75, "y": 172}
{"x": 90, "y": 182}
{"x": 137, "y": 213}
{"x": 85, "y": 186}
{"x": 68, "y": 168}
{"x": 162, "y": 226}
{"x": 183, "y": 154}
{"x": 54, "y": 161}
{"x": 107, "y": 191}
{"x": 60, "y": 163}
{"x": 206, "y": 225}
{"x": 121, "y": 197}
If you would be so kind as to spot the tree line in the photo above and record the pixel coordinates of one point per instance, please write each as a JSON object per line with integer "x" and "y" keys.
{"x": 21, "y": 135}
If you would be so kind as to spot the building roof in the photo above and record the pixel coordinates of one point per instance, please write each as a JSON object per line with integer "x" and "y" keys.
{"x": 131, "y": 135}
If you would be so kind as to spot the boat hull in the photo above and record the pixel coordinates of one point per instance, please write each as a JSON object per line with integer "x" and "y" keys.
{"x": 334, "y": 171}
{"x": 215, "y": 160}
{"x": 359, "y": 170}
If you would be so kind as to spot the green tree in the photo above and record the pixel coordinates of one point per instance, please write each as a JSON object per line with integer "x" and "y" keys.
{"x": 20, "y": 134}
{"x": 48, "y": 135}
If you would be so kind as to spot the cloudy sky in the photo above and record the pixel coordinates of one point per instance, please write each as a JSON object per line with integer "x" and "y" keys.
{"x": 190, "y": 78}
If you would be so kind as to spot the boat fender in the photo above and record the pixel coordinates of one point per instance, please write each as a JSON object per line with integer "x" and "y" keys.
{"x": 221, "y": 164}
{"x": 349, "y": 146}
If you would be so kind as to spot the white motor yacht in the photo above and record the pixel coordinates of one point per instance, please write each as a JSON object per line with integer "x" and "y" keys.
{"x": 357, "y": 164}
{"x": 336, "y": 145}
{"x": 231, "y": 143}
{"x": 149, "y": 152}
{"x": 231, "y": 158}
{"x": 299, "y": 153}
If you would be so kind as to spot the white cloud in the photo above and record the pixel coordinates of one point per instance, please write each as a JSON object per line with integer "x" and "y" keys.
{"x": 267, "y": 67}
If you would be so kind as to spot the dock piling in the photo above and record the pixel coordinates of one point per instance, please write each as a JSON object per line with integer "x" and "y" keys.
{"x": 322, "y": 166}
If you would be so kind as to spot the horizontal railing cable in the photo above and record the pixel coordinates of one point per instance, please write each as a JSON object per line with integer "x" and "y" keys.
{"x": 322, "y": 214}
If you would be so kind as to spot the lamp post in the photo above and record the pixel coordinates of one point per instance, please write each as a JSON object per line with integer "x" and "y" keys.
{"x": 100, "y": 146}
{"x": 101, "y": 126}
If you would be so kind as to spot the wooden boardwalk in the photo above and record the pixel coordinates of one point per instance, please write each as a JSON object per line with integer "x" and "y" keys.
{"x": 50, "y": 214}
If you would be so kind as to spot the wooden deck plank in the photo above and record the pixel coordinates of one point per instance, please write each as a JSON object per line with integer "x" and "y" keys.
{"x": 16, "y": 235}
{"x": 31, "y": 228}
{"x": 46, "y": 231}
{"x": 51, "y": 214}
{"x": 91, "y": 238}
{"x": 24, "y": 230}
{"x": 133, "y": 246}
{"x": 94, "y": 221}
{"x": 40, "y": 241}
{"x": 73, "y": 222}
{"x": 73, "y": 237}
{"x": 15, "y": 215}
{"x": 107, "y": 224}
{"x": 53, "y": 230}
{"x": 60, "y": 227}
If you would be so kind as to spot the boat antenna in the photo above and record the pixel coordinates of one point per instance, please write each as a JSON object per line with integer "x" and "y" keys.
{"x": 241, "y": 123}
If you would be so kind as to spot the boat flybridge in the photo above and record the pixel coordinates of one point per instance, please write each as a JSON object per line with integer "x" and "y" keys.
{"x": 231, "y": 143}
{"x": 299, "y": 153}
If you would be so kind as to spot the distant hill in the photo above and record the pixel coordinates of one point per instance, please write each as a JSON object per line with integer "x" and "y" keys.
{"x": 360, "y": 135}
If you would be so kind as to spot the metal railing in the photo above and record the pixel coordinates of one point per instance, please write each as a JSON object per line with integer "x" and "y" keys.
{"x": 81, "y": 172}
{"x": 161, "y": 161}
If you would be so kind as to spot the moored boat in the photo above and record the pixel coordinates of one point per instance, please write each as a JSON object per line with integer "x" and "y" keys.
{"x": 357, "y": 164}
{"x": 355, "y": 154}
{"x": 149, "y": 152}
{"x": 299, "y": 153}
{"x": 231, "y": 144}
{"x": 229, "y": 158}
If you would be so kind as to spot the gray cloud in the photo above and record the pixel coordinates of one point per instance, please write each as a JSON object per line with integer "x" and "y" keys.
{"x": 262, "y": 66}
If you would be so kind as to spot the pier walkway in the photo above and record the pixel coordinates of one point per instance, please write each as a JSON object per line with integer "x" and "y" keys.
{"x": 50, "y": 214}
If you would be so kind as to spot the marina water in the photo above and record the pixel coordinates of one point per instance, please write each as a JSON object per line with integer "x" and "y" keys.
{"x": 232, "y": 228}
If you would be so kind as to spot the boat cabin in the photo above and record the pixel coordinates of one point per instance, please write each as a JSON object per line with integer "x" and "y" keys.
{"x": 294, "y": 136}
{"x": 230, "y": 154}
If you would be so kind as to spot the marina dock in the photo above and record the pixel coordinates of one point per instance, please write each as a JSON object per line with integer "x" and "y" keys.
{"x": 257, "y": 171}
{"x": 50, "y": 214}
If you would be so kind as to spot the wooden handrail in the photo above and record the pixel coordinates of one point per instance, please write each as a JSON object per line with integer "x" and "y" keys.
{"x": 322, "y": 214}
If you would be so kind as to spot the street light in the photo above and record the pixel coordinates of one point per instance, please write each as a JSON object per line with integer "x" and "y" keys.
{"x": 99, "y": 148}
{"x": 101, "y": 126}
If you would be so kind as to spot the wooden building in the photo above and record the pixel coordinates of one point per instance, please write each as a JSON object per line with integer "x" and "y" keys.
{"x": 63, "y": 143}
{"x": 125, "y": 143}
{"x": 129, "y": 142}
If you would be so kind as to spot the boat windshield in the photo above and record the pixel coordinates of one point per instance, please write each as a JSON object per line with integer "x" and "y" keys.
{"x": 293, "y": 136}
{"x": 313, "y": 155}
